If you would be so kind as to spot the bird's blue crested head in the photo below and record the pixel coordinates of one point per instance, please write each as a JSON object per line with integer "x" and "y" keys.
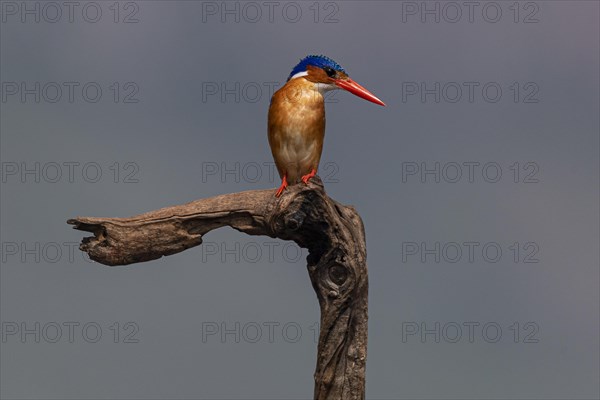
{"x": 315, "y": 61}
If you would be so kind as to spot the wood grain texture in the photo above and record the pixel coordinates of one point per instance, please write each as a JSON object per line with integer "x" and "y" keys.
{"x": 333, "y": 234}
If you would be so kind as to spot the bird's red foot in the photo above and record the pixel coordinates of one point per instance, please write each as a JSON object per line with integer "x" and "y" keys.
{"x": 284, "y": 184}
{"x": 307, "y": 177}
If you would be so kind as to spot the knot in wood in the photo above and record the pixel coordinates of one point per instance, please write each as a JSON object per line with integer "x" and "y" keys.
{"x": 294, "y": 220}
{"x": 338, "y": 274}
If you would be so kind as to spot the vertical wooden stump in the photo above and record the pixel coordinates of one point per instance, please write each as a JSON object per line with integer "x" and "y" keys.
{"x": 332, "y": 233}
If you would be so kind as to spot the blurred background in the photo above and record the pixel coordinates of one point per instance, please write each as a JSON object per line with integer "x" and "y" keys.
{"x": 478, "y": 185}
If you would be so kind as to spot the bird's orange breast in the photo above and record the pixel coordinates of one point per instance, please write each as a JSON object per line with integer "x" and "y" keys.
{"x": 296, "y": 128}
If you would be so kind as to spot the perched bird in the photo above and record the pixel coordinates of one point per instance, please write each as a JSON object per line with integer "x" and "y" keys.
{"x": 297, "y": 117}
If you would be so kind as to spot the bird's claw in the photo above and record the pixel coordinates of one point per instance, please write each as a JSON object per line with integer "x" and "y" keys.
{"x": 284, "y": 185}
{"x": 307, "y": 177}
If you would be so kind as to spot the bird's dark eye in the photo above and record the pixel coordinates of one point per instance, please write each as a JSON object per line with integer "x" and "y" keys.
{"x": 329, "y": 71}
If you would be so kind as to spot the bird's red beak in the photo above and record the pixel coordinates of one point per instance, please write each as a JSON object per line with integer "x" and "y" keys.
{"x": 354, "y": 88}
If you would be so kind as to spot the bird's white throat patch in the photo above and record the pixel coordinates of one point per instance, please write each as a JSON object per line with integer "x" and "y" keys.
{"x": 325, "y": 87}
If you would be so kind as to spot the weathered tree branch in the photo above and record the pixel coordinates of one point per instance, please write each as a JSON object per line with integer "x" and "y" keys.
{"x": 333, "y": 234}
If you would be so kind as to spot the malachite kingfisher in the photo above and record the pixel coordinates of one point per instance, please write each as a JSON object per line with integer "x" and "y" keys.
{"x": 297, "y": 117}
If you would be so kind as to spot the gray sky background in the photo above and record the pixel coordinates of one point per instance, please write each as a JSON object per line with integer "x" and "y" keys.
{"x": 177, "y": 142}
